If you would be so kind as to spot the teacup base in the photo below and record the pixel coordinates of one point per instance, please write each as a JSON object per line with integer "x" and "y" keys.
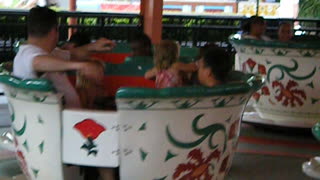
{"x": 312, "y": 167}
{"x": 252, "y": 116}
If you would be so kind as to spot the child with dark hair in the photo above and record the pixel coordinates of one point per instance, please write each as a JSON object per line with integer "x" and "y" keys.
{"x": 285, "y": 32}
{"x": 141, "y": 45}
{"x": 192, "y": 78}
{"x": 255, "y": 28}
{"x": 203, "y": 49}
{"x": 214, "y": 67}
{"x": 76, "y": 40}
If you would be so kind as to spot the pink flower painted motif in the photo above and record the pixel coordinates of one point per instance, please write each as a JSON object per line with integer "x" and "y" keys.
{"x": 251, "y": 63}
{"x": 289, "y": 94}
{"x": 224, "y": 164}
{"x": 262, "y": 69}
{"x": 197, "y": 168}
{"x": 23, "y": 164}
{"x": 265, "y": 91}
{"x": 233, "y": 129}
{"x": 256, "y": 96}
{"x": 90, "y": 130}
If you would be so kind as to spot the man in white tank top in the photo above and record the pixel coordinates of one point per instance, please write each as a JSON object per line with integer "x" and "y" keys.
{"x": 40, "y": 57}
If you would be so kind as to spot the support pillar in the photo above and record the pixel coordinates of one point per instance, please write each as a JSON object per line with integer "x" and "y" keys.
{"x": 73, "y": 21}
{"x": 142, "y": 12}
{"x": 73, "y": 5}
{"x": 151, "y": 10}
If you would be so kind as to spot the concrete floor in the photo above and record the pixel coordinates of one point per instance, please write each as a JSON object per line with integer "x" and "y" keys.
{"x": 246, "y": 166}
{"x": 263, "y": 167}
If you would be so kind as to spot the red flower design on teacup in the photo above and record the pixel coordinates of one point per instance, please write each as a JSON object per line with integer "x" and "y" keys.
{"x": 224, "y": 164}
{"x": 233, "y": 129}
{"x": 251, "y": 63}
{"x": 288, "y": 94}
{"x": 256, "y": 96}
{"x": 90, "y": 130}
{"x": 198, "y": 167}
{"x": 23, "y": 163}
{"x": 262, "y": 69}
{"x": 265, "y": 91}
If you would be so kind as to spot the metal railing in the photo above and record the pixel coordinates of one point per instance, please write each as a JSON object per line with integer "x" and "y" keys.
{"x": 197, "y": 30}
{"x": 188, "y": 30}
{"x": 119, "y": 27}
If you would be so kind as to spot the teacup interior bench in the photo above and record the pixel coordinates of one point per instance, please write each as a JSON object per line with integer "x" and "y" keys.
{"x": 122, "y": 51}
{"x": 127, "y": 74}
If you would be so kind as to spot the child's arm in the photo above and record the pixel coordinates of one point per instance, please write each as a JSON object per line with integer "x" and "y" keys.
{"x": 151, "y": 73}
{"x": 191, "y": 67}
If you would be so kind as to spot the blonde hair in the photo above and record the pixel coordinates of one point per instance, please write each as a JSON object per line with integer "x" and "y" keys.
{"x": 166, "y": 54}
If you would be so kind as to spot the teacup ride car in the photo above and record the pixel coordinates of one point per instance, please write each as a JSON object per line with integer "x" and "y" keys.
{"x": 312, "y": 167}
{"x": 4, "y": 113}
{"x": 171, "y": 133}
{"x": 291, "y": 96}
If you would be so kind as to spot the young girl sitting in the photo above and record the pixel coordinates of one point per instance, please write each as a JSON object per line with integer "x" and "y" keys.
{"x": 168, "y": 71}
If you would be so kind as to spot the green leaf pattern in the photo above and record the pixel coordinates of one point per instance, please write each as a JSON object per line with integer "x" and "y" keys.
{"x": 280, "y": 52}
{"x": 142, "y": 105}
{"x": 289, "y": 71}
{"x": 204, "y": 133}
{"x": 143, "y": 154}
{"x": 185, "y": 104}
{"x": 21, "y": 131}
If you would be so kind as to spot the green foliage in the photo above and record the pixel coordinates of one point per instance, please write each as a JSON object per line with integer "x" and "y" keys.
{"x": 12, "y": 19}
{"x": 309, "y": 8}
{"x": 187, "y": 29}
{"x": 121, "y": 21}
{"x": 89, "y": 21}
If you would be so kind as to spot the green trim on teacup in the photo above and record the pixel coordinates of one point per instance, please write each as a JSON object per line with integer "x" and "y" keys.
{"x": 42, "y": 85}
{"x": 236, "y": 40}
{"x": 184, "y": 51}
{"x": 139, "y": 59}
{"x": 316, "y": 131}
{"x": 240, "y": 84}
{"x": 127, "y": 69}
{"x": 189, "y": 52}
{"x": 121, "y": 48}
{"x": 149, "y": 59}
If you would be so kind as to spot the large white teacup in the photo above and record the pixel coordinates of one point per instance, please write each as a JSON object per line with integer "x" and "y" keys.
{"x": 36, "y": 126}
{"x": 180, "y": 133}
{"x": 291, "y": 95}
{"x": 173, "y": 133}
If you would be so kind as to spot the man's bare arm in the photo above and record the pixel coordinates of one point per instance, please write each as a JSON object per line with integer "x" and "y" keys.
{"x": 47, "y": 63}
{"x": 150, "y": 74}
{"x": 83, "y": 52}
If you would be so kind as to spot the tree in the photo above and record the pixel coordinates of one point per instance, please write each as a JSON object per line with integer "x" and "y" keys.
{"x": 309, "y": 8}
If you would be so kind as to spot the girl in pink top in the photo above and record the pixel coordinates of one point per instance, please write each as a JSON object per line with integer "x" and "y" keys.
{"x": 168, "y": 72}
